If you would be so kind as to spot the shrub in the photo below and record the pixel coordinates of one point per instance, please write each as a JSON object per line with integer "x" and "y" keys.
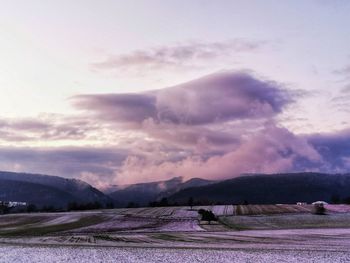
{"x": 207, "y": 215}
{"x": 318, "y": 209}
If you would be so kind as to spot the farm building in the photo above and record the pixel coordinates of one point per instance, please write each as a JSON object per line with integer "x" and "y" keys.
{"x": 301, "y": 203}
{"x": 320, "y": 203}
{"x": 12, "y": 203}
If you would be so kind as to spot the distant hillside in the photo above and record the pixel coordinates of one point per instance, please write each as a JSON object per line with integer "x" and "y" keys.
{"x": 47, "y": 190}
{"x": 255, "y": 189}
{"x": 270, "y": 189}
{"x": 144, "y": 193}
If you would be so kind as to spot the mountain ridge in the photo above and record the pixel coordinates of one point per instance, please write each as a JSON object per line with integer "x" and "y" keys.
{"x": 270, "y": 189}
{"x": 144, "y": 193}
{"x": 47, "y": 190}
{"x": 307, "y": 187}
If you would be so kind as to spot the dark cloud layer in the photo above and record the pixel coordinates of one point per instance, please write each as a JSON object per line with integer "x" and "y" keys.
{"x": 335, "y": 149}
{"x": 270, "y": 150}
{"x": 95, "y": 165}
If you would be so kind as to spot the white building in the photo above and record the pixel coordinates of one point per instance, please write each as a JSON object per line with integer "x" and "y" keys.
{"x": 12, "y": 203}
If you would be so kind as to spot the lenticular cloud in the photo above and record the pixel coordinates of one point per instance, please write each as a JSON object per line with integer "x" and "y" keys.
{"x": 214, "y": 98}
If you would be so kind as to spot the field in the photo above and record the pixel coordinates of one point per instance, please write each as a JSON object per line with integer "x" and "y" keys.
{"x": 242, "y": 233}
{"x": 143, "y": 255}
{"x": 298, "y": 221}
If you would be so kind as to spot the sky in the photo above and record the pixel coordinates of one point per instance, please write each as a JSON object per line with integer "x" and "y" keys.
{"x": 118, "y": 92}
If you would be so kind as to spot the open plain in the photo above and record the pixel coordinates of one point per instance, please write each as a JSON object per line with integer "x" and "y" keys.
{"x": 251, "y": 233}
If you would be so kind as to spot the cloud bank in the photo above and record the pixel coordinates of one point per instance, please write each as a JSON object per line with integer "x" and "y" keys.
{"x": 183, "y": 55}
{"x": 216, "y": 127}
{"x": 216, "y": 98}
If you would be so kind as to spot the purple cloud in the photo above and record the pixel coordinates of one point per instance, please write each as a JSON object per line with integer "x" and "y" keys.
{"x": 335, "y": 149}
{"x": 270, "y": 150}
{"x": 121, "y": 107}
{"x": 215, "y": 98}
{"x": 217, "y": 126}
{"x": 342, "y": 100}
{"x": 24, "y": 124}
{"x": 181, "y": 55}
{"x": 55, "y": 128}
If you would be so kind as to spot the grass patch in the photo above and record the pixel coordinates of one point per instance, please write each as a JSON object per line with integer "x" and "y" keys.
{"x": 113, "y": 239}
{"x": 230, "y": 224}
{"x": 295, "y": 221}
{"x": 170, "y": 237}
{"x": 20, "y": 222}
{"x": 44, "y": 230}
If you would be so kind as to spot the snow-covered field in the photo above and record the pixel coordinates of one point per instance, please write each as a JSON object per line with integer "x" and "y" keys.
{"x": 338, "y": 208}
{"x": 287, "y": 221}
{"x": 272, "y": 209}
{"x": 172, "y": 219}
{"x": 165, "y": 219}
{"x": 20, "y": 254}
{"x": 250, "y": 233}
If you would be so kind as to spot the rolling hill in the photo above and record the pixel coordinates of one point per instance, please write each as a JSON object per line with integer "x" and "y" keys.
{"x": 270, "y": 189}
{"x": 47, "y": 190}
{"x": 143, "y": 193}
{"x": 255, "y": 189}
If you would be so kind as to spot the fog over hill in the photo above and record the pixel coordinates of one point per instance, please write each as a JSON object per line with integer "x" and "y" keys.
{"x": 143, "y": 193}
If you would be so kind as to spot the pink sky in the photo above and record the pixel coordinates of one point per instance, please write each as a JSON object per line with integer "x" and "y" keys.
{"x": 124, "y": 92}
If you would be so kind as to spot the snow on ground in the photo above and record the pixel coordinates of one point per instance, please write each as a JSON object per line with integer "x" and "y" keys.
{"x": 63, "y": 219}
{"x": 338, "y": 208}
{"x": 218, "y": 210}
{"x": 147, "y": 219}
{"x": 229, "y": 210}
{"x": 179, "y": 226}
{"x": 288, "y": 221}
{"x": 185, "y": 212}
{"x": 41, "y": 254}
{"x": 118, "y": 223}
{"x": 172, "y": 234}
{"x": 153, "y": 212}
{"x": 272, "y": 209}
